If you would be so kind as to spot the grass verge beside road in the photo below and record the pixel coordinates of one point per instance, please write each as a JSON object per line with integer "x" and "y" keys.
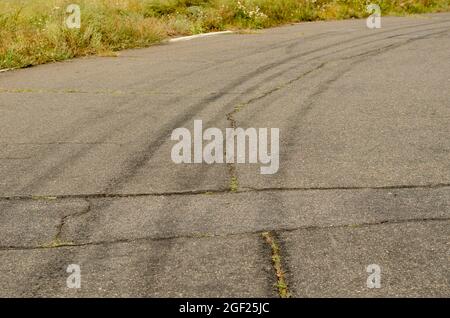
{"x": 33, "y": 31}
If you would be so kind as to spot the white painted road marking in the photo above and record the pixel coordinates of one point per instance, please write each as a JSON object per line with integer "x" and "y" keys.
{"x": 202, "y": 35}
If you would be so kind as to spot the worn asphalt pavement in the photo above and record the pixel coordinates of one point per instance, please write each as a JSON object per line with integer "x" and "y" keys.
{"x": 86, "y": 175}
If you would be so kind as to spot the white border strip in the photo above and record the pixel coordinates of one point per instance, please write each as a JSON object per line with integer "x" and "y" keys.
{"x": 201, "y": 35}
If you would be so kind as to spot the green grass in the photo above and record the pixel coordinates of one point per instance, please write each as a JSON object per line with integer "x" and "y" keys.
{"x": 234, "y": 184}
{"x": 32, "y": 31}
{"x": 57, "y": 243}
{"x": 281, "y": 285}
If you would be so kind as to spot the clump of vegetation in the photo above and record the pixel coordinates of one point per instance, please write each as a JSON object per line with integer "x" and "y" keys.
{"x": 33, "y": 31}
{"x": 281, "y": 285}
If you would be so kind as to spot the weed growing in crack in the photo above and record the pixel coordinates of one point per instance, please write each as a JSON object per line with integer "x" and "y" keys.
{"x": 57, "y": 243}
{"x": 234, "y": 184}
{"x": 281, "y": 284}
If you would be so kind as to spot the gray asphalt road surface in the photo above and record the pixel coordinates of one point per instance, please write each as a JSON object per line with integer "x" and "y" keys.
{"x": 86, "y": 175}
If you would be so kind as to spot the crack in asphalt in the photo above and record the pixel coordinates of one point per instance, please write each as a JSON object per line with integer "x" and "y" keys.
{"x": 66, "y": 143}
{"x": 100, "y": 92}
{"x": 74, "y": 215}
{"x": 212, "y": 235}
{"x": 57, "y": 241}
{"x": 220, "y": 191}
{"x": 277, "y": 262}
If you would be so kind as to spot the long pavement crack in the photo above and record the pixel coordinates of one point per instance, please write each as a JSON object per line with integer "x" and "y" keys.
{"x": 277, "y": 262}
{"x": 213, "y": 235}
{"x": 26, "y": 90}
{"x": 221, "y": 192}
